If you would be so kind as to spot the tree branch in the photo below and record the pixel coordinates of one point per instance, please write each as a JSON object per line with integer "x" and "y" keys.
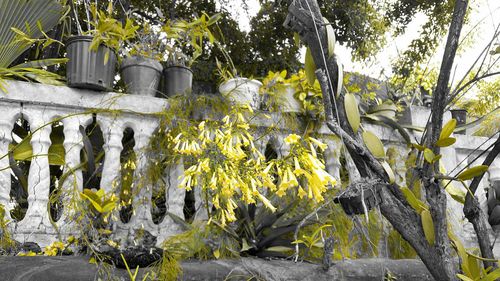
{"x": 476, "y": 216}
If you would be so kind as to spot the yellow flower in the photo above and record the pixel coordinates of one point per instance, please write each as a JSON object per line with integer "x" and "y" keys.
{"x": 322, "y": 146}
{"x": 267, "y": 203}
{"x": 292, "y": 138}
{"x": 301, "y": 193}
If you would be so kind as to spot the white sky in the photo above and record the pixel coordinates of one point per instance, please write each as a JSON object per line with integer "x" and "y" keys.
{"x": 486, "y": 12}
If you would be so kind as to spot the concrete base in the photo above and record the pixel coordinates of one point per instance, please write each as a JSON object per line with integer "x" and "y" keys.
{"x": 41, "y": 268}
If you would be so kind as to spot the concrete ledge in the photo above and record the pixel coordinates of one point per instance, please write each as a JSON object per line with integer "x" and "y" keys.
{"x": 41, "y": 268}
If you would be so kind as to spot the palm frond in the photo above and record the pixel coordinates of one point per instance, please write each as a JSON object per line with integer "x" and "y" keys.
{"x": 26, "y": 16}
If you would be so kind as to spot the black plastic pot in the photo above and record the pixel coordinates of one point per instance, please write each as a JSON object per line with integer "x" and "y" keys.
{"x": 85, "y": 68}
{"x": 176, "y": 80}
{"x": 352, "y": 201}
{"x": 141, "y": 75}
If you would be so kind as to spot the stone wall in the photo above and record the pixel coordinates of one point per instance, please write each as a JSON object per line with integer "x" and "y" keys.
{"x": 114, "y": 112}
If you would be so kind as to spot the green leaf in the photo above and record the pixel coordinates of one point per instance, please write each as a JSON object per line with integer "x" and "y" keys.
{"x": 388, "y": 170}
{"x": 330, "y": 37}
{"x": 472, "y": 172}
{"x": 446, "y": 142}
{"x": 374, "y": 144}
{"x": 448, "y": 129}
{"x": 429, "y": 155}
{"x": 416, "y": 204}
{"x": 310, "y": 68}
{"x": 352, "y": 111}
{"x": 428, "y": 226}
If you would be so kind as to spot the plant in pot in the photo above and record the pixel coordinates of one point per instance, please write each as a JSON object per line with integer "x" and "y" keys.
{"x": 240, "y": 91}
{"x": 186, "y": 43}
{"x": 141, "y": 69}
{"x": 92, "y": 54}
{"x": 278, "y": 94}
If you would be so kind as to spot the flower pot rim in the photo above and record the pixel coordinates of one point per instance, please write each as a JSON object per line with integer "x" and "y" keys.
{"x": 74, "y": 38}
{"x": 177, "y": 66}
{"x": 242, "y": 79}
{"x": 146, "y": 62}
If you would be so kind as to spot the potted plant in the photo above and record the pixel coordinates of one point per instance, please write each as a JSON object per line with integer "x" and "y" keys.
{"x": 141, "y": 69}
{"x": 292, "y": 95}
{"x": 239, "y": 91}
{"x": 91, "y": 54}
{"x": 186, "y": 45}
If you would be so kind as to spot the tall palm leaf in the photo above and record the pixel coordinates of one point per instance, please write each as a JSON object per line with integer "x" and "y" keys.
{"x": 24, "y": 15}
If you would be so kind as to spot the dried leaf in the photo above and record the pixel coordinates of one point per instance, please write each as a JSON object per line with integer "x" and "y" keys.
{"x": 388, "y": 170}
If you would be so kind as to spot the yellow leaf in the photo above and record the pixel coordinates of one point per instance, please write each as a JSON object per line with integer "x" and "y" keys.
{"x": 448, "y": 129}
{"x": 310, "y": 68}
{"x": 472, "y": 172}
{"x": 330, "y": 37}
{"x": 296, "y": 39}
{"x": 416, "y": 204}
{"x": 445, "y": 142}
{"x": 217, "y": 254}
{"x": 429, "y": 155}
{"x": 389, "y": 172}
{"x": 456, "y": 193}
{"x": 428, "y": 226}
{"x": 418, "y": 146}
{"x": 374, "y": 144}
{"x": 281, "y": 249}
{"x": 475, "y": 271}
{"x": 352, "y": 111}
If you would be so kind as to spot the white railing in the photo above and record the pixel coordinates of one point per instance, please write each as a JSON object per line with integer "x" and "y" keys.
{"x": 41, "y": 104}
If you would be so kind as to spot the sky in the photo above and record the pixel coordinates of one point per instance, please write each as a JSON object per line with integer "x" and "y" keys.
{"x": 485, "y": 12}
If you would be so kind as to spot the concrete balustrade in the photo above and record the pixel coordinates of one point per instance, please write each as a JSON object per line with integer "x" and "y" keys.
{"x": 114, "y": 112}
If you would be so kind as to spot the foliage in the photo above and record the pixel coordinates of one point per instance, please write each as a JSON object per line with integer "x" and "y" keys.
{"x": 486, "y": 100}
{"x": 192, "y": 34}
{"x": 109, "y": 31}
{"x": 27, "y": 21}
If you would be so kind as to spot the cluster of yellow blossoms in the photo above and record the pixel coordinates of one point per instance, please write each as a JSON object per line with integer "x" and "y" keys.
{"x": 229, "y": 168}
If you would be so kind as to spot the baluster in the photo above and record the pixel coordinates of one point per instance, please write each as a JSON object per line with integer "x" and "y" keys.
{"x": 332, "y": 155}
{"x": 112, "y": 130}
{"x": 73, "y": 183}
{"x": 174, "y": 203}
{"x": 37, "y": 216}
{"x": 142, "y": 201}
{"x": 5, "y": 139}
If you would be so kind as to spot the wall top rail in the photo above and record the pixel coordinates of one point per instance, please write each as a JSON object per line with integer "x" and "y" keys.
{"x": 62, "y": 96}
